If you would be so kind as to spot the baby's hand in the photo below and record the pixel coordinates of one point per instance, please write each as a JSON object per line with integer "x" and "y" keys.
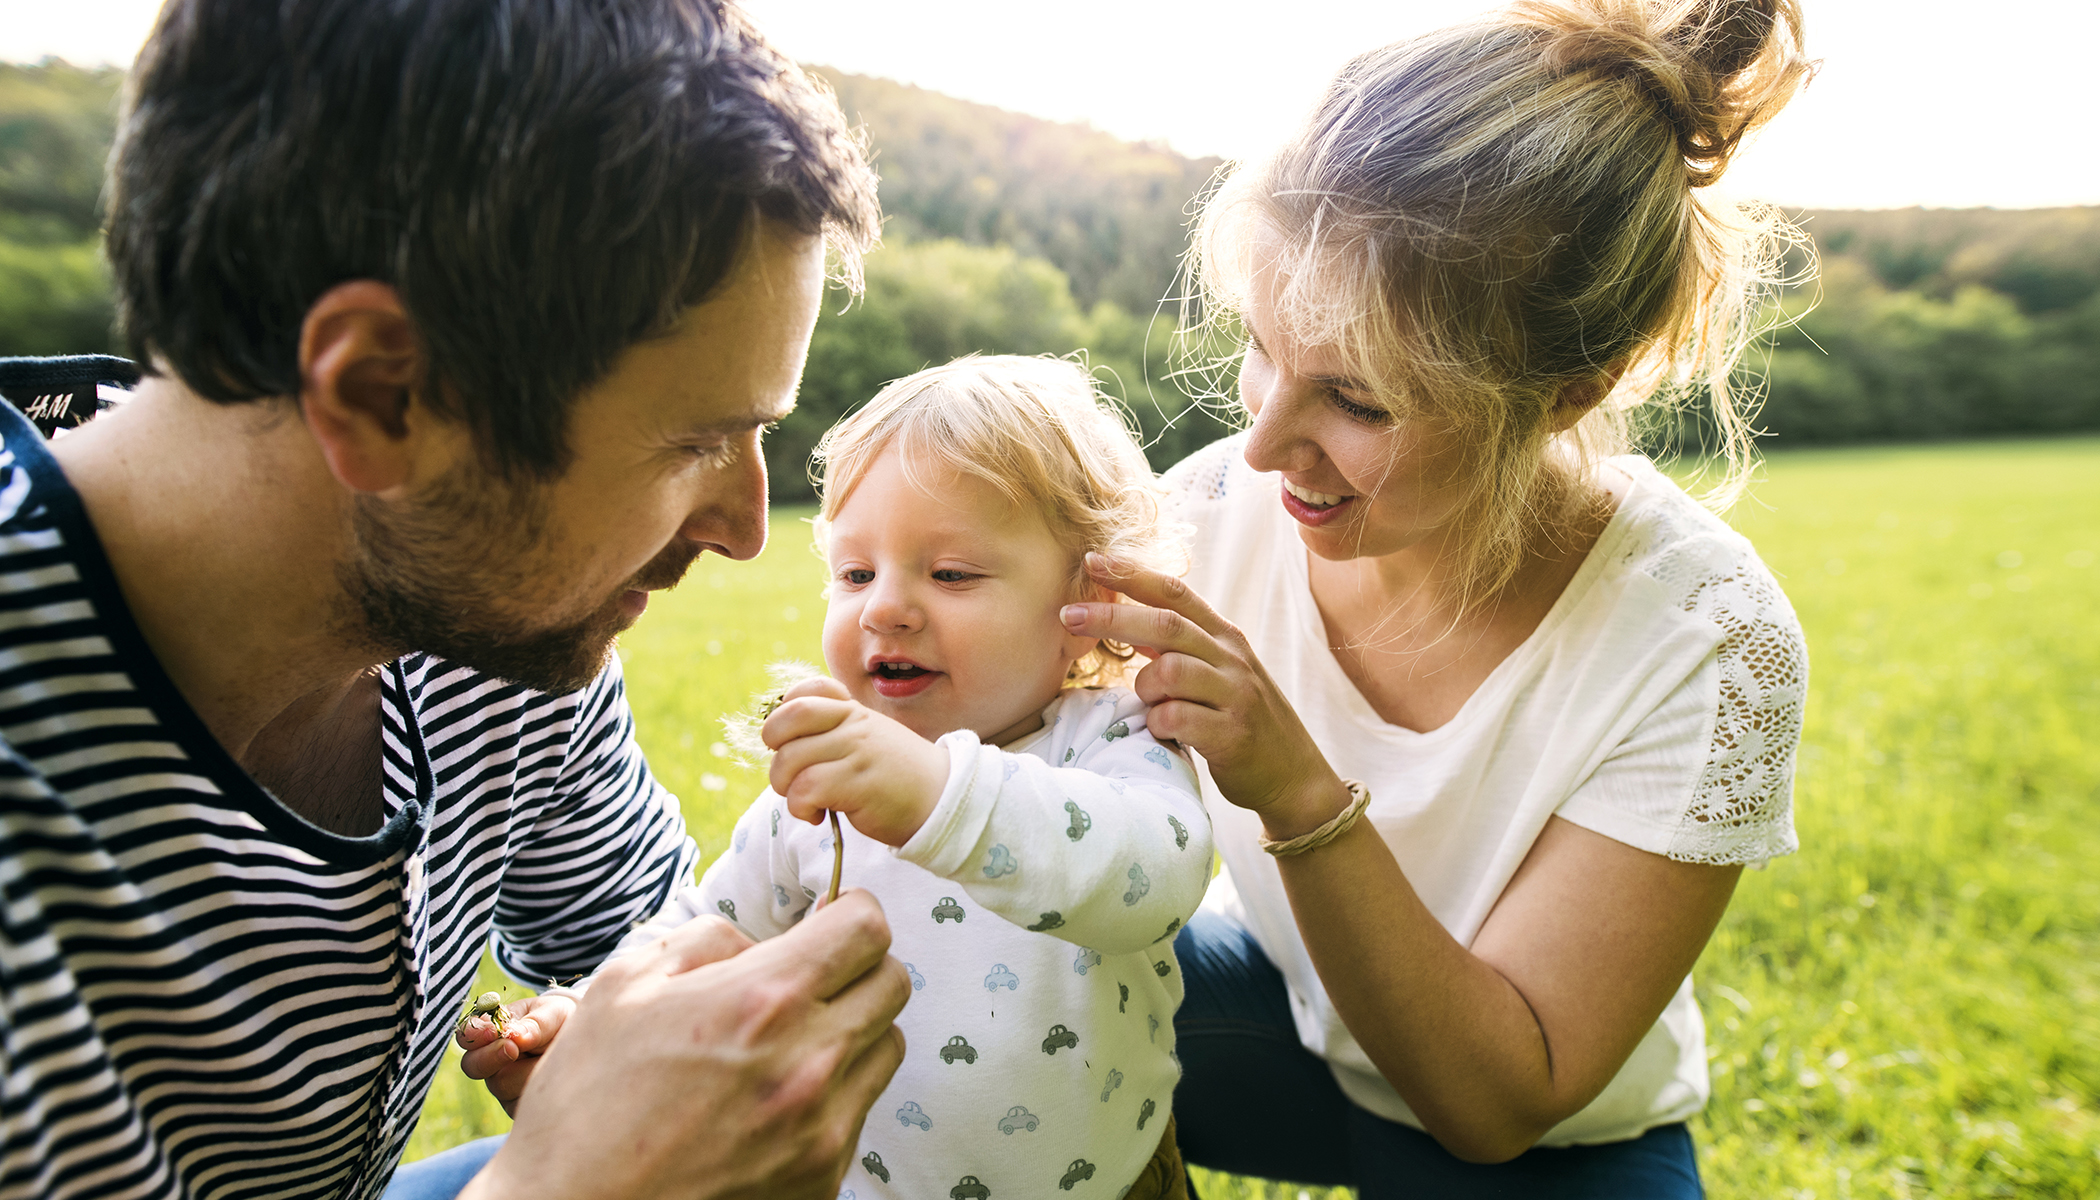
{"x": 831, "y": 752}
{"x": 506, "y": 1061}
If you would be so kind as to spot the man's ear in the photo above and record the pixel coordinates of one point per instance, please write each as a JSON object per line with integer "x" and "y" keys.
{"x": 360, "y": 367}
{"x": 1578, "y": 398}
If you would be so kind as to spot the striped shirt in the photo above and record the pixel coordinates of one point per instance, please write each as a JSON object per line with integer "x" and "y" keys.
{"x": 201, "y": 994}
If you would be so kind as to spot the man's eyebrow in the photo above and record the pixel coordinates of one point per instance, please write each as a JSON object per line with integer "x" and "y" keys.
{"x": 737, "y": 422}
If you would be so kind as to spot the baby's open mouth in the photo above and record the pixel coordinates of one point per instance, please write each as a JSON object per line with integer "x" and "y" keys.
{"x": 900, "y": 678}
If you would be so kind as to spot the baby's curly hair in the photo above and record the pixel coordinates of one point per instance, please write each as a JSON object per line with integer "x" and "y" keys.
{"x": 1040, "y": 432}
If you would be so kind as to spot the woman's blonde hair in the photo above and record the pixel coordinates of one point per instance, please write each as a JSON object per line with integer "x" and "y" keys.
{"x": 1482, "y": 217}
{"x": 1042, "y": 435}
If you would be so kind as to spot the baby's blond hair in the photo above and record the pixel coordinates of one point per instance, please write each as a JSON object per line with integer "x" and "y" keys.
{"x": 1042, "y": 435}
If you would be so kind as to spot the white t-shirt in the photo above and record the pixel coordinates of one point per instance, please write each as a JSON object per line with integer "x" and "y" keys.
{"x": 1658, "y": 703}
{"x": 1035, "y": 911}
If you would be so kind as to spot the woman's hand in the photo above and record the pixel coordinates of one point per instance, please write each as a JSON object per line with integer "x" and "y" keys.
{"x": 830, "y": 752}
{"x": 1209, "y": 692}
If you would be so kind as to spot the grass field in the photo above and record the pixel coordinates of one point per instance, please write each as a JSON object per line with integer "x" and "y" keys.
{"x": 1910, "y": 1007}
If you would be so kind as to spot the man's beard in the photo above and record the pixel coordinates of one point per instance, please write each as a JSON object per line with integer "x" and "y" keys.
{"x": 432, "y": 576}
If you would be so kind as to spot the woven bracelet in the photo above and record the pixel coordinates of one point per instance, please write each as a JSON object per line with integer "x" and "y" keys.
{"x": 1325, "y": 833}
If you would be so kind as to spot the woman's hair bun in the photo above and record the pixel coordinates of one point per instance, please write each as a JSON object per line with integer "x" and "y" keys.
{"x": 1727, "y": 37}
{"x": 1714, "y": 69}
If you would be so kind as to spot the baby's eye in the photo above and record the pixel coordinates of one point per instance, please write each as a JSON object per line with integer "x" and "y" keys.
{"x": 857, "y": 576}
{"x": 951, "y": 575}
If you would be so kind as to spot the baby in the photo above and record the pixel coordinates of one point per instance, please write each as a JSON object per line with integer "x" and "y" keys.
{"x": 1034, "y": 847}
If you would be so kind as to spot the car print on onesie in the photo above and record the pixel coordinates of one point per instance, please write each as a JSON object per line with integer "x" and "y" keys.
{"x": 1048, "y": 922}
{"x": 1000, "y": 977}
{"x": 871, "y": 1162}
{"x": 1060, "y": 1036}
{"x": 1080, "y": 1169}
{"x": 947, "y": 910}
{"x": 958, "y": 1048}
{"x": 999, "y": 861}
{"x": 1139, "y": 885}
{"x": 969, "y": 1189}
{"x": 1080, "y": 821}
{"x": 912, "y": 1114}
{"x": 1018, "y": 1117}
{"x": 1084, "y": 959}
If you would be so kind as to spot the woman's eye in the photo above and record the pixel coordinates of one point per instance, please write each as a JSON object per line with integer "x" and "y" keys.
{"x": 1359, "y": 412}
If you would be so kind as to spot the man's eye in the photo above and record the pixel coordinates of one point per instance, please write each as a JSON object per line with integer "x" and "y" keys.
{"x": 715, "y": 457}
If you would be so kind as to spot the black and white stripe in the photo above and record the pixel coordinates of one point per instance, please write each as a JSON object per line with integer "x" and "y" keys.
{"x": 202, "y": 995}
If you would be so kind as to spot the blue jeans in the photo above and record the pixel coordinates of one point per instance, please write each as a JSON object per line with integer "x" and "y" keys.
{"x": 442, "y": 1175}
{"x": 1254, "y": 1101}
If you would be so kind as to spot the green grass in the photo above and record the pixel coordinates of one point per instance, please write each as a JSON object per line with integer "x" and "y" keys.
{"x": 1910, "y": 1007}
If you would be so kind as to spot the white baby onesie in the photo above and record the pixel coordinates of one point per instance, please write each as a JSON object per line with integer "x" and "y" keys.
{"x": 1039, "y": 1047}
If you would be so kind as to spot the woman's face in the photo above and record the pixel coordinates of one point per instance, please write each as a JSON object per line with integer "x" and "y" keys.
{"x": 1358, "y": 482}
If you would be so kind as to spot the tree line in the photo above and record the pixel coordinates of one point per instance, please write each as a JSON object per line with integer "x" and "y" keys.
{"x": 1010, "y": 234}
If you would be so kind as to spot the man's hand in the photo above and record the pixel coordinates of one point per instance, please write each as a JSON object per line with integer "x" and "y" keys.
{"x": 505, "y": 1062}
{"x": 830, "y": 752}
{"x": 697, "y": 1068}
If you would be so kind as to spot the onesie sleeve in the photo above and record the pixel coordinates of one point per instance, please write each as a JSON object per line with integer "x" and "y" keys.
{"x": 1106, "y": 844}
{"x": 753, "y": 884}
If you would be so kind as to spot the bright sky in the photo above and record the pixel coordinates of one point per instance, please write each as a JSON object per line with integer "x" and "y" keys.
{"x": 1919, "y": 101}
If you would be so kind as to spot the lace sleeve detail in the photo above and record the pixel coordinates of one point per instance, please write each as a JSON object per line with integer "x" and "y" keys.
{"x": 1742, "y": 809}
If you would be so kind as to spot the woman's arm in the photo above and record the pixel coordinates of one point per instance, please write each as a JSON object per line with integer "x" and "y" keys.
{"x": 1493, "y": 1046}
{"x": 1490, "y": 1046}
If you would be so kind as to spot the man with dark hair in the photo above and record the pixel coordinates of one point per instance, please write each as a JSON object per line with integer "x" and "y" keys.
{"x": 460, "y": 321}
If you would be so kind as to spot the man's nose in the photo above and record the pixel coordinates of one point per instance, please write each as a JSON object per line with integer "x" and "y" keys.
{"x": 730, "y": 517}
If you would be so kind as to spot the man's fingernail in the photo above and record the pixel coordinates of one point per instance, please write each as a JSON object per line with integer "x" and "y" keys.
{"x": 1073, "y": 615}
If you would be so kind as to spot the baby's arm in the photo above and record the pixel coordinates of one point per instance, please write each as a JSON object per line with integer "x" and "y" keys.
{"x": 1110, "y": 849}
{"x": 754, "y": 884}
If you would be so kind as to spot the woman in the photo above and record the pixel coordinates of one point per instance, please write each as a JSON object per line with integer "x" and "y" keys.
{"x": 1569, "y": 692}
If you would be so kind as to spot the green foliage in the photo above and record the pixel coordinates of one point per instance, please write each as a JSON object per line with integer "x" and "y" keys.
{"x": 56, "y": 124}
{"x": 55, "y": 299}
{"x": 1905, "y": 1009}
{"x": 1870, "y": 363}
{"x": 2046, "y": 259}
{"x": 932, "y": 301}
{"x": 1107, "y": 213}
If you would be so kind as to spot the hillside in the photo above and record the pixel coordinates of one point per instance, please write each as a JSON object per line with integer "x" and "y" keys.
{"x": 1008, "y": 233}
{"x": 1109, "y": 214}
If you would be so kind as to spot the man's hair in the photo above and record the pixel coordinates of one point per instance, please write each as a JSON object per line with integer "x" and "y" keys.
{"x": 544, "y": 182}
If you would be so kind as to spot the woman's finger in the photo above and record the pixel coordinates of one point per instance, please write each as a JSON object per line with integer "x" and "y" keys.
{"x": 1182, "y": 677}
{"x": 1159, "y": 590}
{"x": 1159, "y": 631}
